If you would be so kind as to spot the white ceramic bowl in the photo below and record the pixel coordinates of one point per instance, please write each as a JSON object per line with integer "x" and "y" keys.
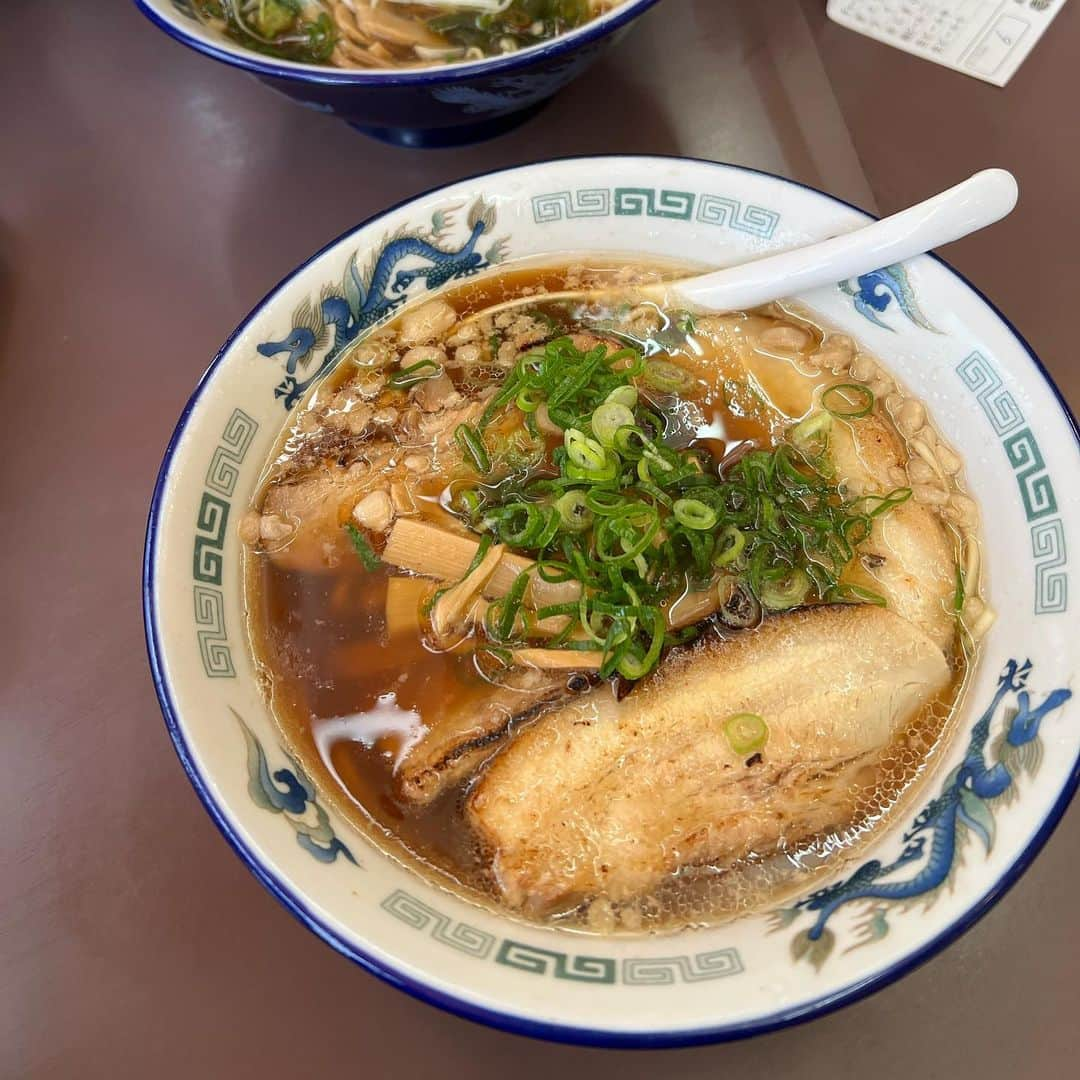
{"x": 994, "y": 800}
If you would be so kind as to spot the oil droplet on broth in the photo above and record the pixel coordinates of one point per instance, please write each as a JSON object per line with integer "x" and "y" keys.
{"x": 386, "y": 728}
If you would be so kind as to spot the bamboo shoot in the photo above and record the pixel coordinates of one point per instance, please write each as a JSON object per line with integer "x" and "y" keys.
{"x": 434, "y": 552}
{"x": 559, "y": 659}
{"x": 453, "y": 612}
{"x": 404, "y": 595}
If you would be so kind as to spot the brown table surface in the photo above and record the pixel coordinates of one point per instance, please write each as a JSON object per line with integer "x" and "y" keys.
{"x": 148, "y": 198}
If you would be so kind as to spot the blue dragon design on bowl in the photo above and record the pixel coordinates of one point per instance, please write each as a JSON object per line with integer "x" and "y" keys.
{"x": 873, "y": 293}
{"x": 965, "y": 804}
{"x": 291, "y": 793}
{"x": 365, "y": 298}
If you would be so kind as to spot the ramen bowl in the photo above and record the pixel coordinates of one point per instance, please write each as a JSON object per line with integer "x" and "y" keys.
{"x": 992, "y": 796}
{"x": 441, "y": 105}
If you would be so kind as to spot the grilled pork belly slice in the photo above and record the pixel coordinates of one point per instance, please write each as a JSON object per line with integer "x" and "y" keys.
{"x": 909, "y": 557}
{"x": 608, "y": 798}
{"x": 465, "y": 732}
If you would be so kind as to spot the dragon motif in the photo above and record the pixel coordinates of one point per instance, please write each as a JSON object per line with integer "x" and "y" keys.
{"x": 291, "y": 793}
{"x": 874, "y": 292}
{"x": 365, "y": 298}
{"x": 939, "y": 829}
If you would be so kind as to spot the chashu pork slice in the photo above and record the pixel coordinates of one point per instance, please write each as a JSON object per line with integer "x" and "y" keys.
{"x": 464, "y": 732}
{"x": 909, "y": 557}
{"x": 609, "y": 798}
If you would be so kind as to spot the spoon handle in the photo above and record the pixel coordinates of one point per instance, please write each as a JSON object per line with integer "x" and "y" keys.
{"x": 979, "y": 201}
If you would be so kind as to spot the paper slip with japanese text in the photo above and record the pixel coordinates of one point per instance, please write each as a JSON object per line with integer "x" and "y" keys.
{"x": 988, "y": 39}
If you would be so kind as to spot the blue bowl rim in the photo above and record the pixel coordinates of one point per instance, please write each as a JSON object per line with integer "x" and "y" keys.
{"x": 430, "y": 76}
{"x": 507, "y": 1021}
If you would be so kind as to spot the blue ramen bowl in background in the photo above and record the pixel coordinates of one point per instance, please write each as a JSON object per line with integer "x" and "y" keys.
{"x": 441, "y": 105}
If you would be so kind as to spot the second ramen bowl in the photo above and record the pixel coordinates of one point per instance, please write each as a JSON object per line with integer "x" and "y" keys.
{"x": 441, "y": 105}
{"x": 993, "y": 794}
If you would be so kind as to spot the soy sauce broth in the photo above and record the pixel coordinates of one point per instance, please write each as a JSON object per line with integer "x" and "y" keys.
{"x": 351, "y": 694}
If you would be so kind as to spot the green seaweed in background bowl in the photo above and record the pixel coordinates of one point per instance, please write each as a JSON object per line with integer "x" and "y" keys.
{"x": 287, "y": 29}
{"x": 304, "y": 31}
{"x": 523, "y": 23}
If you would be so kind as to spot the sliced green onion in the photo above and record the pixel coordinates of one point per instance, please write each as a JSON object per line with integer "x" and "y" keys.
{"x": 789, "y": 475}
{"x": 518, "y": 524}
{"x": 631, "y": 442}
{"x": 884, "y": 503}
{"x": 467, "y": 500}
{"x": 666, "y": 376}
{"x": 370, "y": 560}
{"x": 854, "y": 531}
{"x": 848, "y": 401}
{"x": 553, "y": 572}
{"x": 607, "y": 472}
{"x": 660, "y": 457}
{"x": 585, "y": 618}
{"x": 650, "y": 488}
{"x": 573, "y": 508}
{"x": 472, "y": 446}
{"x": 858, "y": 594}
{"x": 510, "y": 605}
{"x": 552, "y": 523}
{"x": 730, "y": 545}
{"x": 608, "y": 419}
{"x": 632, "y": 521}
{"x": 502, "y": 398}
{"x": 604, "y": 501}
{"x": 502, "y": 657}
{"x": 530, "y": 399}
{"x": 694, "y": 514}
{"x": 811, "y": 435}
{"x": 686, "y": 322}
{"x": 623, "y": 395}
{"x": 419, "y": 372}
{"x": 584, "y": 452}
{"x": 740, "y": 609}
{"x": 481, "y": 551}
{"x": 621, "y": 537}
{"x": 785, "y": 591}
{"x": 633, "y": 664}
{"x": 961, "y": 589}
{"x": 746, "y": 732}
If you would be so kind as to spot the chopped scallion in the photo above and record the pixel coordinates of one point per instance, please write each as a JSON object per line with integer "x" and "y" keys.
{"x": 360, "y": 544}
{"x": 746, "y": 732}
{"x": 666, "y": 376}
{"x": 848, "y": 401}
{"x": 419, "y": 372}
{"x": 573, "y": 508}
{"x": 694, "y": 514}
{"x": 787, "y": 590}
{"x": 634, "y": 522}
{"x": 959, "y": 595}
{"x": 608, "y": 419}
{"x": 623, "y": 395}
{"x": 730, "y": 546}
{"x": 472, "y": 446}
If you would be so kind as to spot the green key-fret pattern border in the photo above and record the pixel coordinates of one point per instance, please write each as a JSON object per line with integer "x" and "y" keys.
{"x": 554, "y": 963}
{"x": 208, "y": 554}
{"x": 1036, "y": 488}
{"x": 705, "y": 208}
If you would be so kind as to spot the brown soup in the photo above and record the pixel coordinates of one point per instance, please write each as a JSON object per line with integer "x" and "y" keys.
{"x": 361, "y": 685}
